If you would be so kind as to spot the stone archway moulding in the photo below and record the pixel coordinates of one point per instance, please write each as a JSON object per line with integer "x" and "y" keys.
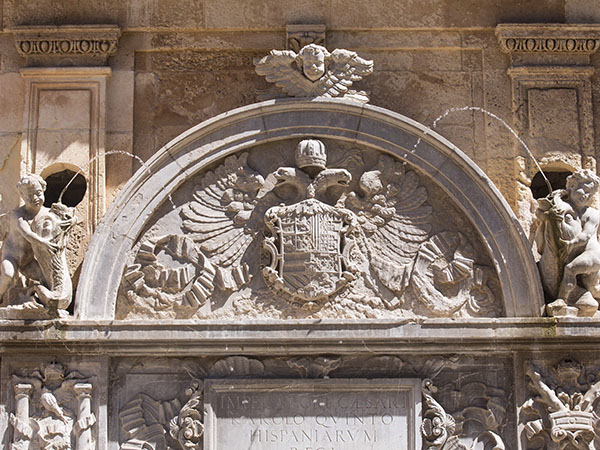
{"x": 275, "y": 120}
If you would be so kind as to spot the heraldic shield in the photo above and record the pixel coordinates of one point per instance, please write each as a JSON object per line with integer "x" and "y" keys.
{"x": 305, "y": 248}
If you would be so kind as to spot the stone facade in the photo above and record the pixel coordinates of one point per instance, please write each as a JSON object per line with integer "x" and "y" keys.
{"x": 299, "y": 225}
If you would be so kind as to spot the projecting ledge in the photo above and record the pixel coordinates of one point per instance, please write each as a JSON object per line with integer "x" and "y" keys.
{"x": 299, "y": 336}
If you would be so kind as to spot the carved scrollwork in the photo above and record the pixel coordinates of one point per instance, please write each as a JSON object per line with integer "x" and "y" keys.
{"x": 562, "y": 411}
{"x": 181, "y": 278}
{"x": 188, "y": 427}
{"x": 442, "y": 431}
{"x": 437, "y": 426}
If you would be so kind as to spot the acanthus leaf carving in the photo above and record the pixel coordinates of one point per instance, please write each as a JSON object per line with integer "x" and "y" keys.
{"x": 164, "y": 424}
{"x": 187, "y": 427}
{"x": 443, "y": 431}
{"x": 437, "y": 426}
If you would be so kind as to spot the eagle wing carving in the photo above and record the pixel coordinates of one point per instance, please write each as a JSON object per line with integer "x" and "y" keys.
{"x": 280, "y": 67}
{"x": 345, "y": 67}
{"x": 222, "y": 218}
{"x": 394, "y": 215}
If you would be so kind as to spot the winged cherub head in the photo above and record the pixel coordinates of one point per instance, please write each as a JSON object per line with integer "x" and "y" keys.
{"x": 312, "y": 60}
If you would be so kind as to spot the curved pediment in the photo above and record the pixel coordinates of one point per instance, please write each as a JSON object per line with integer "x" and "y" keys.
{"x": 308, "y": 209}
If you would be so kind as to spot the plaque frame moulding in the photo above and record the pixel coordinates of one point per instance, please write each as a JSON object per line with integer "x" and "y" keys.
{"x": 216, "y": 387}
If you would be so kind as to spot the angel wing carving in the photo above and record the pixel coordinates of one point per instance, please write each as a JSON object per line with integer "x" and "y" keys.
{"x": 393, "y": 214}
{"x": 223, "y": 220}
{"x": 315, "y": 72}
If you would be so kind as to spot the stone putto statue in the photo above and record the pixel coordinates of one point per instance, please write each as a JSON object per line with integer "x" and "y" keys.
{"x": 566, "y": 237}
{"x": 315, "y": 72}
{"x": 34, "y": 275}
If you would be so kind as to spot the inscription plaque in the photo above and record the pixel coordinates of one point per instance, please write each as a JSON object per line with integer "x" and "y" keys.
{"x": 341, "y": 414}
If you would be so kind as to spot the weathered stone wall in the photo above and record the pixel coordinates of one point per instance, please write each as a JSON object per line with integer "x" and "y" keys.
{"x": 179, "y": 64}
{"x": 89, "y": 381}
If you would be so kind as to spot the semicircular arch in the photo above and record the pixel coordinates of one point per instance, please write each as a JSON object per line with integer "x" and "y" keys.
{"x": 366, "y": 125}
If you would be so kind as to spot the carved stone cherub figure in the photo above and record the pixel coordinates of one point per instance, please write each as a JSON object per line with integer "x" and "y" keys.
{"x": 567, "y": 240}
{"x": 315, "y": 72}
{"x": 33, "y": 268}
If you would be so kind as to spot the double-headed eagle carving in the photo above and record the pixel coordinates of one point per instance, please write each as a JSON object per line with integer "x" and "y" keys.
{"x": 318, "y": 236}
{"x": 315, "y": 72}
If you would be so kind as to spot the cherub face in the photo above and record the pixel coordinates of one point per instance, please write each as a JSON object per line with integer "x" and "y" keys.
{"x": 583, "y": 193}
{"x": 313, "y": 65}
{"x": 33, "y": 195}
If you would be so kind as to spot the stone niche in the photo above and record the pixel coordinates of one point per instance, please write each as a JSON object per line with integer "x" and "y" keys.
{"x": 291, "y": 209}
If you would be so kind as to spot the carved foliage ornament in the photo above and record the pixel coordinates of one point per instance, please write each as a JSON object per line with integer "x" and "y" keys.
{"x": 53, "y": 410}
{"x": 164, "y": 424}
{"x": 322, "y": 240}
{"x": 442, "y": 431}
{"x": 561, "y": 414}
{"x": 315, "y": 72}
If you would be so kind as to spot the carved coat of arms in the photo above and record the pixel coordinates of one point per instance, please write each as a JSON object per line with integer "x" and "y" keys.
{"x": 314, "y": 235}
{"x": 306, "y": 249}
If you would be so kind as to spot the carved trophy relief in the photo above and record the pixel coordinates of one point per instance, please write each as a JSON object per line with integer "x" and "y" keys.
{"x": 34, "y": 274}
{"x": 315, "y": 72}
{"x": 170, "y": 272}
{"x": 562, "y": 410}
{"x": 477, "y": 422}
{"x": 164, "y": 424}
{"x": 305, "y": 239}
{"x": 53, "y": 410}
{"x": 566, "y": 235}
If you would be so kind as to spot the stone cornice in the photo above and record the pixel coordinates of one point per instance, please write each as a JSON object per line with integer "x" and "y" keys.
{"x": 189, "y": 338}
{"x": 549, "y": 38}
{"x": 80, "y": 44}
